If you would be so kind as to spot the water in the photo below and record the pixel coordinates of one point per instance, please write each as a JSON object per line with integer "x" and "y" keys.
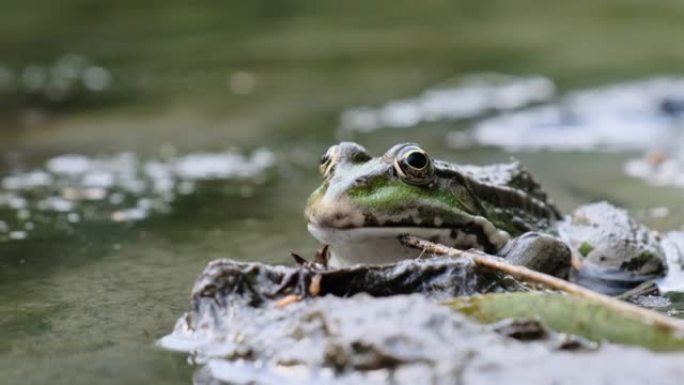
{"x": 82, "y": 301}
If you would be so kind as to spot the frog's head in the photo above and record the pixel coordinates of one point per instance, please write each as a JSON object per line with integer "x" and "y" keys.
{"x": 365, "y": 203}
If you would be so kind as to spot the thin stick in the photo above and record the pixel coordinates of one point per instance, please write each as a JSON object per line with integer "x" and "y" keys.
{"x": 520, "y": 272}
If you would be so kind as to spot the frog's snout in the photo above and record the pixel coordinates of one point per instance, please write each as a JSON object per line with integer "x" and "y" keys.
{"x": 339, "y": 214}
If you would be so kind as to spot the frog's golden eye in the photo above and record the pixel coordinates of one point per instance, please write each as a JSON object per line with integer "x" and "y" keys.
{"x": 414, "y": 166}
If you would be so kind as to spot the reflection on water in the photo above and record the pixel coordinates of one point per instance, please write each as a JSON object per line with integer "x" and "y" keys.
{"x": 121, "y": 188}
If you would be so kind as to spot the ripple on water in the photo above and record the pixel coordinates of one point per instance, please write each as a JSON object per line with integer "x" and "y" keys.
{"x": 122, "y": 188}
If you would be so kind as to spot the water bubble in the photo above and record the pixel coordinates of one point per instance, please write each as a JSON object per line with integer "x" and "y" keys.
{"x": 98, "y": 178}
{"x": 18, "y": 235}
{"x": 96, "y": 78}
{"x": 29, "y": 180}
{"x": 94, "y": 193}
{"x": 16, "y": 202}
{"x": 134, "y": 214}
{"x": 73, "y": 217}
{"x": 69, "y": 164}
{"x": 56, "y": 204}
{"x": 23, "y": 214}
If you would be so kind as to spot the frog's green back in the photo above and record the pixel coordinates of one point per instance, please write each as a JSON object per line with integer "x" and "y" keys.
{"x": 509, "y": 194}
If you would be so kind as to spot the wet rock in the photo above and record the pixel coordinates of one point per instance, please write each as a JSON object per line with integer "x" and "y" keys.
{"x": 540, "y": 252}
{"x": 257, "y": 284}
{"x": 618, "y": 252}
{"x": 239, "y": 332}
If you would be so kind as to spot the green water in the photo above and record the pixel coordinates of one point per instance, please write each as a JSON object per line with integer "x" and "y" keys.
{"x": 86, "y": 306}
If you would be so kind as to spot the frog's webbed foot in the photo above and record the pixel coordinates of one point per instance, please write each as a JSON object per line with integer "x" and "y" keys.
{"x": 540, "y": 252}
{"x": 303, "y": 282}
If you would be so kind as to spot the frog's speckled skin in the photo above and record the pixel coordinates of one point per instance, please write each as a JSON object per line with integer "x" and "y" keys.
{"x": 364, "y": 203}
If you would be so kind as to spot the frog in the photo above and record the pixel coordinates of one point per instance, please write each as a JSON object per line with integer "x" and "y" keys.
{"x": 366, "y": 204}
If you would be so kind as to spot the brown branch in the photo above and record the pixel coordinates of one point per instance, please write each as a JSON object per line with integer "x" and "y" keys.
{"x": 520, "y": 272}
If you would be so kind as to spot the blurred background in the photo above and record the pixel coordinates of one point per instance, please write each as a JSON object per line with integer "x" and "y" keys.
{"x": 139, "y": 140}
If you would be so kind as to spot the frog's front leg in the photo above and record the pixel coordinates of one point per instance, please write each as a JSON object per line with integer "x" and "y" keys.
{"x": 540, "y": 252}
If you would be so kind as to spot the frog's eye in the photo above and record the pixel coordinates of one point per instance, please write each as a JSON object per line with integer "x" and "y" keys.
{"x": 414, "y": 166}
{"x": 416, "y": 160}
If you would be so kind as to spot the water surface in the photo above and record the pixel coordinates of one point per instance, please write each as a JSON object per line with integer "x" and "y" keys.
{"x": 83, "y": 302}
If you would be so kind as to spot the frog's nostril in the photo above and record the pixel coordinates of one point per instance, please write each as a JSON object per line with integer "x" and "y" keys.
{"x": 361, "y": 182}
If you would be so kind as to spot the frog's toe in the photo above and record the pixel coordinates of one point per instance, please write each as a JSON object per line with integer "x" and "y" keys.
{"x": 540, "y": 252}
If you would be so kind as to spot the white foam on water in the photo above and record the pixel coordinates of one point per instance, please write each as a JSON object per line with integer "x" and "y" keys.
{"x": 634, "y": 115}
{"x": 673, "y": 245}
{"x": 471, "y": 97}
{"x": 221, "y": 166}
{"x": 71, "y": 164}
{"x": 119, "y": 188}
{"x": 660, "y": 169}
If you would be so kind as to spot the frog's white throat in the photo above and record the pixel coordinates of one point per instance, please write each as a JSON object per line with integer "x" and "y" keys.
{"x": 379, "y": 245}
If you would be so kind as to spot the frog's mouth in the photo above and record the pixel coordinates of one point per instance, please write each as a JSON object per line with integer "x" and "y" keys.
{"x": 378, "y": 245}
{"x": 349, "y": 231}
{"x": 383, "y": 240}
{"x": 331, "y": 235}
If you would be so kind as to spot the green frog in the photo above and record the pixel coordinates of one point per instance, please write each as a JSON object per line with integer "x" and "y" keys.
{"x": 365, "y": 204}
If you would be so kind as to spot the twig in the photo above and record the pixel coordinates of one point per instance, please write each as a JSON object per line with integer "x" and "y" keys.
{"x": 520, "y": 272}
